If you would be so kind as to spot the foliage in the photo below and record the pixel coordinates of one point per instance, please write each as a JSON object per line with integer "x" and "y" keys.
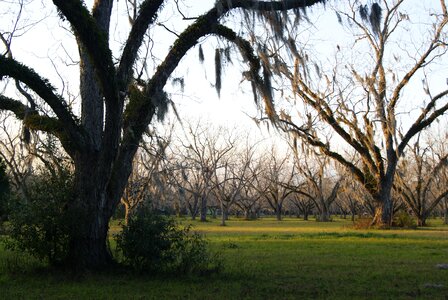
{"x": 404, "y": 220}
{"x": 40, "y": 225}
{"x": 4, "y": 190}
{"x": 155, "y": 243}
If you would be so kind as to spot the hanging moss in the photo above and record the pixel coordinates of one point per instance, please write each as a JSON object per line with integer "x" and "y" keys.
{"x": 371, "y": 17}
{"x": 218, "y": 71}
{"x": 375, "y": 18}
{"x": 201, "y": 54}
{"x": 179, "y": 81}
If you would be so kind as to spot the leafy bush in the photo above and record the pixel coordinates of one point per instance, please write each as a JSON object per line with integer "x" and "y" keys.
{"x": 403, "y": 219}
{"x": 39, "y": 224}
{"x": 4, "y": 191}
{"x": 156, "y": 243}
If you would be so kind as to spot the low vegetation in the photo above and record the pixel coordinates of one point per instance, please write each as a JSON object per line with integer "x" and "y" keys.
{"x": 265, "y": 259}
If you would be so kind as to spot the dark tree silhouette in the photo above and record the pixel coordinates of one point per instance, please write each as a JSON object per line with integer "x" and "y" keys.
{"x": 116, "y": 106}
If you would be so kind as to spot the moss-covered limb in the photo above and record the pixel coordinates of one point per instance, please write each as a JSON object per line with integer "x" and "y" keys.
{"x": 95, "y": 41}
{"x": 31, "y": 119}
{"x": 34, "y": 121}
{"x": 139, "y": 113}
{"x": 146, "y": 15}
{"x": 268, "y": 5}
{"x": 14, "y": 106}
{"x": 101, "y": 12}
{"x": 11, "y": 68}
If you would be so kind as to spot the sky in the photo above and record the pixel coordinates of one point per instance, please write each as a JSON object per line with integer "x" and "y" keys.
{"x": 45, "y": 43}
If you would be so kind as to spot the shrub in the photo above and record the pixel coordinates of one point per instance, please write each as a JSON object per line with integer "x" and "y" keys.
{"x": 39, "y": 224}
{"x": 403, "y": 219}
{"x": 4, "y": 191}
{"x": 156, "y": 243}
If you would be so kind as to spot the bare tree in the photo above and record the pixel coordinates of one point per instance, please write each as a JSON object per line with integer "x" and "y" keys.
{"x": 304, "y": 204}
{"x": 231, "y": 179}
{"x": 275, "y": 181}
{"x": 249, "y": 197}
{"x": 419, "y": 181}
{"x": 350, "y": 197}
{"x": 199, "y": 157}
{"x": 147, "y": 182}
{"x": 361, "y": 103}
{"x": 322, "y": 186}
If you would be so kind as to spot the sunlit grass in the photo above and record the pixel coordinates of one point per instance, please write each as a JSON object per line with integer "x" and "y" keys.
{"x": 267, "y": 259}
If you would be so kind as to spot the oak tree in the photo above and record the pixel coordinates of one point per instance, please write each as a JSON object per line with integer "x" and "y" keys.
{"x": 117, "y": 104}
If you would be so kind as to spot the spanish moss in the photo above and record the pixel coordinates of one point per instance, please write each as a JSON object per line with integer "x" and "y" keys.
{"x": 218, "y": 71}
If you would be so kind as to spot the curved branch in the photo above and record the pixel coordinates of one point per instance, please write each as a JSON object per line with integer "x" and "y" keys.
{"x": 95, "y": 41}
{"x": 12, "y": 68}
{"x": 358, "y": 173}
{"x": 421, "y": 123}
{"x": 267, "y": 5}
{"x": 146, "y": 16}
{"x": 31, "y": 118}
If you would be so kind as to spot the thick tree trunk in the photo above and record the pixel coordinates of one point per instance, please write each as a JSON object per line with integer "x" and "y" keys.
{"x": 323, "y": 217}
{"x": 278, "y": 213}
{"x": 178, "y": 210}
{"x": 384, "y": 210}
{"x": 90, "y": 213}
{"x": 88, "y": 248}
{"x": 305, "y": 215}
{"x": 383, "y": 214}
{"x": 249, "y": 214}
{"x": 421, "y": 221}
{"x": 203, "y": 209}
{"x": 223, "y": 214}
{"x": 324, "y": 214}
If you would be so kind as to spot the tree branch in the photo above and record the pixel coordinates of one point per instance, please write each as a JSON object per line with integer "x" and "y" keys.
{"x": 95, "y": 41}
{"x": 12, "y": 68}
{"x": 31, "y": 118}
{"x": 146, "y": 15}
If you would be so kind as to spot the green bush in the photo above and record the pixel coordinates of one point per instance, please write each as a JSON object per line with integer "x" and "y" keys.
{"x": 156, "y": 243}
{"x": 39, "y": 224}
{"x": 404, "y": 220}
{"x": 4, "y": 191}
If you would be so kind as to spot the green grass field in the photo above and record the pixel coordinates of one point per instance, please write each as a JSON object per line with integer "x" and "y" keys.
{"x": 266, "y": 259}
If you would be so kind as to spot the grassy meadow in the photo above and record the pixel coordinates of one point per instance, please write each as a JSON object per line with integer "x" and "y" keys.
{"x": 266, "y": 259}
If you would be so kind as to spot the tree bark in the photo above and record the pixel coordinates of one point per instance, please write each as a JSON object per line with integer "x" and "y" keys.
{"x": 383, "y": 213}
{"x": 203, "y": 209}
{"x": 305, "y": 215}
{"x": 446, "y": 216}
{"x": 421, "y": 221}
{"x": 324, "y": 214}
{"x": 89, "y": 217}
{"x": 278, "y": 213}
{"x": 223, "y": 214}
